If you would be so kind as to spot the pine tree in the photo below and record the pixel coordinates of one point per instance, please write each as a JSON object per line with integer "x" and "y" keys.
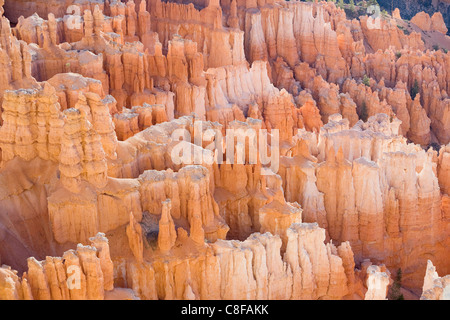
{"x": 415, "y": 89}
{"x": 352, "y": 5}
{"x": 363, "y": 114}
{"x": 395, "y": 292}
{"x": 366, "y": 80}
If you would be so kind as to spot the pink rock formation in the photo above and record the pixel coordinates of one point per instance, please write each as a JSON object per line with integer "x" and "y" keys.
{"x": 84, "y": 273}
{"x": 191, "y": 199}
{"x": 396, "y": 14}
{"x": 435, "y": 287}
{"x": 31, "y": 129}
{"x": 435, "y": 23}
{"x": 167, "y": 234}
{"x": 387, "y": 35}
{"x": 377, "y": 284}
{"x": 438, "y": 24}
{"x": 134, "y": 234}
{"x": 311, "y": 115}
{"x": 422, "y": 20}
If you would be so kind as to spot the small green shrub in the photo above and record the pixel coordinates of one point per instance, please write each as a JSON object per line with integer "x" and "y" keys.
{"x": 366, "y": 80}
{"x": 415, "y": 89}
{"x": 395, "y": 291}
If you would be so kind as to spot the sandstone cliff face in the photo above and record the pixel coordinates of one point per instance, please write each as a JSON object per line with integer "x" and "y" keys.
{"x": 346, "y": 165}
{"x": 389, "y": 35}
{"x": 429, "y": 109}
{"x": 290, "y": 31}
{"x": 15, "y": 61}
{"x": 83, "y": 166}
{"x": 190, "y": 197}
{"x": 189, "y": 94}
{"x": 32, "y": 125}
{"x": 254, "y": 267}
